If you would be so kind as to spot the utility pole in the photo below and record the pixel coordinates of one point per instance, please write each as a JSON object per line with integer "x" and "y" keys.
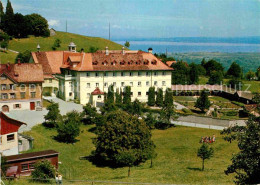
{"x": 109, "y": 31}
{"x": 66, "y": 26}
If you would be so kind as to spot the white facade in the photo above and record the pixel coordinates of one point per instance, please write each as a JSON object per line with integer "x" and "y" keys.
{"x": 84, "y": 83}
{"x": 21, "y": 104}
{"x": 9, "y": 146}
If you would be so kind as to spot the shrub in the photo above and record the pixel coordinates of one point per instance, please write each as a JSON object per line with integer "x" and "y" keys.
{"x": 43, "y": 172}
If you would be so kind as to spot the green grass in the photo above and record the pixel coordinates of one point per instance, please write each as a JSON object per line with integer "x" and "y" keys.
{"x": 45, "y": 103}
{"x": 7, "y": 57}
{"x": 81, "y": 41}
{"x": 184, "y": 98}
{"x": 177, "y": 160}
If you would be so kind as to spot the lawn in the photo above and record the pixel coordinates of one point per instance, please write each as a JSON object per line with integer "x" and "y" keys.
{"x": 7, "y": 57}
{"x": 176, "y": 161}
{"x": 46, "y": 43}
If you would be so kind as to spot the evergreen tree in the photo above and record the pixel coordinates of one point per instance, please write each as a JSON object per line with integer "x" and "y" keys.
{"x": 118, "y": 97}
{"x": 1, "y": 15}
{"x": 151, "y": 96}
{"x": 9, "y": 23}
{"x": 127, "y": 96}
{"x": 110, "y": 95}
{"x": 168, "y": 99}
{"x": 204, "y": 152}
{"x": 203, "y": 101}
{"x": 159, "y": 97}
{"x": 194, "y": 74}
{"x": 235, "y": 70}
{"x": 137, "y": 108}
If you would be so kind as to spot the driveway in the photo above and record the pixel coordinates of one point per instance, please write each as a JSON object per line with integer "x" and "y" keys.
{"x": 32, "y": 118}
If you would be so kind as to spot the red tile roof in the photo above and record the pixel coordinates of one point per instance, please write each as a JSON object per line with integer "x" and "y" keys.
{"x": 23, "y": 73}
{"x": 97, "y": 91}
{"x": 116, "y": 61}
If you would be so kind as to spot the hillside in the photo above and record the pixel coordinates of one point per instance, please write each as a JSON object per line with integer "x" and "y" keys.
{"x": 30, "y": 43}
{"x": 248, "y": 61}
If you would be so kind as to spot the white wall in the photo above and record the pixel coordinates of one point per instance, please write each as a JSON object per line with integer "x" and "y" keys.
{"x": 25, "y": 105}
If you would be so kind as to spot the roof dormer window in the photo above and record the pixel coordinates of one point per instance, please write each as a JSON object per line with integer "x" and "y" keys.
{"x": 113, "y": 63}
{"x": 122, "y": 62}
{"x": 138, "y": 62}
{"x": 95, "y": 63}
{"x": 146, "y": 62}
{"x": 154, "y": 62}
{"x": 130, "y": 62}
{"x": 104, "y": 63}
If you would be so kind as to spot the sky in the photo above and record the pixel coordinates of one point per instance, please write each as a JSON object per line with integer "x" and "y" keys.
{"x": 148, "y": 18}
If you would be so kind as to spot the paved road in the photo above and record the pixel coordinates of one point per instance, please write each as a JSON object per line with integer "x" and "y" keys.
{"x": 32, "y": 118}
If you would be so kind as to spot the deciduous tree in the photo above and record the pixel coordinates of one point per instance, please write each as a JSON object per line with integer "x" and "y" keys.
{"x": 43, "y": 171}
{"x": 53, "y": 115}
{"x": 234, "y": 70}
{"x": 24, "y": 57}
{"x": 204, "y": 152}
{"x": 216, "y": 77}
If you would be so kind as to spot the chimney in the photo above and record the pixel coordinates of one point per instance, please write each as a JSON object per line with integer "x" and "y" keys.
{"x": 19, "y": 61}
{"x": 8, "y": 66}
{"x": 107, "y": 52}
{"x": 82, "y": 50}
{"x": 123, "y": 50}
{"x": 150, "y": 50}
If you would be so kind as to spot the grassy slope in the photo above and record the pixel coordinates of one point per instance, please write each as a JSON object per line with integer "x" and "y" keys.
{"x": 177, "y": 160}
{"x": 253, "y": 86}
{"x": 46, "y": 43}
{"x": 7, "y": 57}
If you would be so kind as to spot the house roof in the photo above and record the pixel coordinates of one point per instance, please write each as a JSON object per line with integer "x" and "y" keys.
{"x": 23, "y": 72}
{"x": 32, "y": 155}
{"x": 169, "y": 63}
{"x": 245, "y": 94}
{"x": 52, "y": 61}
{"x": 97, "y": 91}
{"x": 9, "y": 125}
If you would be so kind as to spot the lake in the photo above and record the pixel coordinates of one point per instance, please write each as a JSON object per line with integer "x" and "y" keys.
{"x": 186, "y": 47}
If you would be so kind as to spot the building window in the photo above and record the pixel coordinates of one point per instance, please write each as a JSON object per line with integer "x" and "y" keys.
{"x": 50, "y": 80}
{"x": 155, "y": 83}
{"x": 12, "y": 95}
{"x": 17, "y": 106}
{"x": 33, "y": 94}
{"x": 4, "y": 96}
{"x": 114, "y": 73}
{"x": 147, "y": 73}
{"x": 3, "y": 77}
{"x": 22, "y": 94}
{"x": 99, "y": 96}
{"x": 97, "y": 74}
{"x": 106, "y": 74}
{"x": 97, "y": 84}
{"x": 122, "y": 74}
{"x": 114, "y": 84}
{"x": 163, "y": 83}
{"x": 122, "y": 84}
{"x": 10, "y": 137}
{"x": 25, "y": 167}
{"x": 147, "y": 83}
{"x": 139, "y": 94}
{"x": 139, "y": 73}
{"x": 131, "y": 93}
{"x": 131, "y": 84}
{"x": 155, "y": 73}
{"x": 131, "y": 74}
{"x": 38, "y": 103}
{"x": 32, "y": 86}
{"x": 22, "y": 87}
{"x": 88, "y": 85}
{"x": 88, "y": 94}
{"x": 31, "y": 166}
{"x": 3, "y": 86}
{"x": 87, "y": 74}
{"x": 105, "y": 84}
{"x": 139, "y": 84}
{"x": 70, "y": 94}
{"x": 163, "y": 73}
{"x": 147, "y": 93}
{"x": 12, "y": 86}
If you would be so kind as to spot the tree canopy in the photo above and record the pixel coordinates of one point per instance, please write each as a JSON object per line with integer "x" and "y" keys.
{"x": 151, "y": 96}
{"x": 204, "y": 152}
{"x": 203, "y": 101}
{"x": 123, "y": 140}
{"x": 213, "y": 65}
{"x": 234, "y": 70}
{"x": 43, "y": 171}
{"x": 216, "y": 77}
{"x": 53, "y": 115}
{"x": 246, "y": 163}
{"x": 24, "y": 57}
